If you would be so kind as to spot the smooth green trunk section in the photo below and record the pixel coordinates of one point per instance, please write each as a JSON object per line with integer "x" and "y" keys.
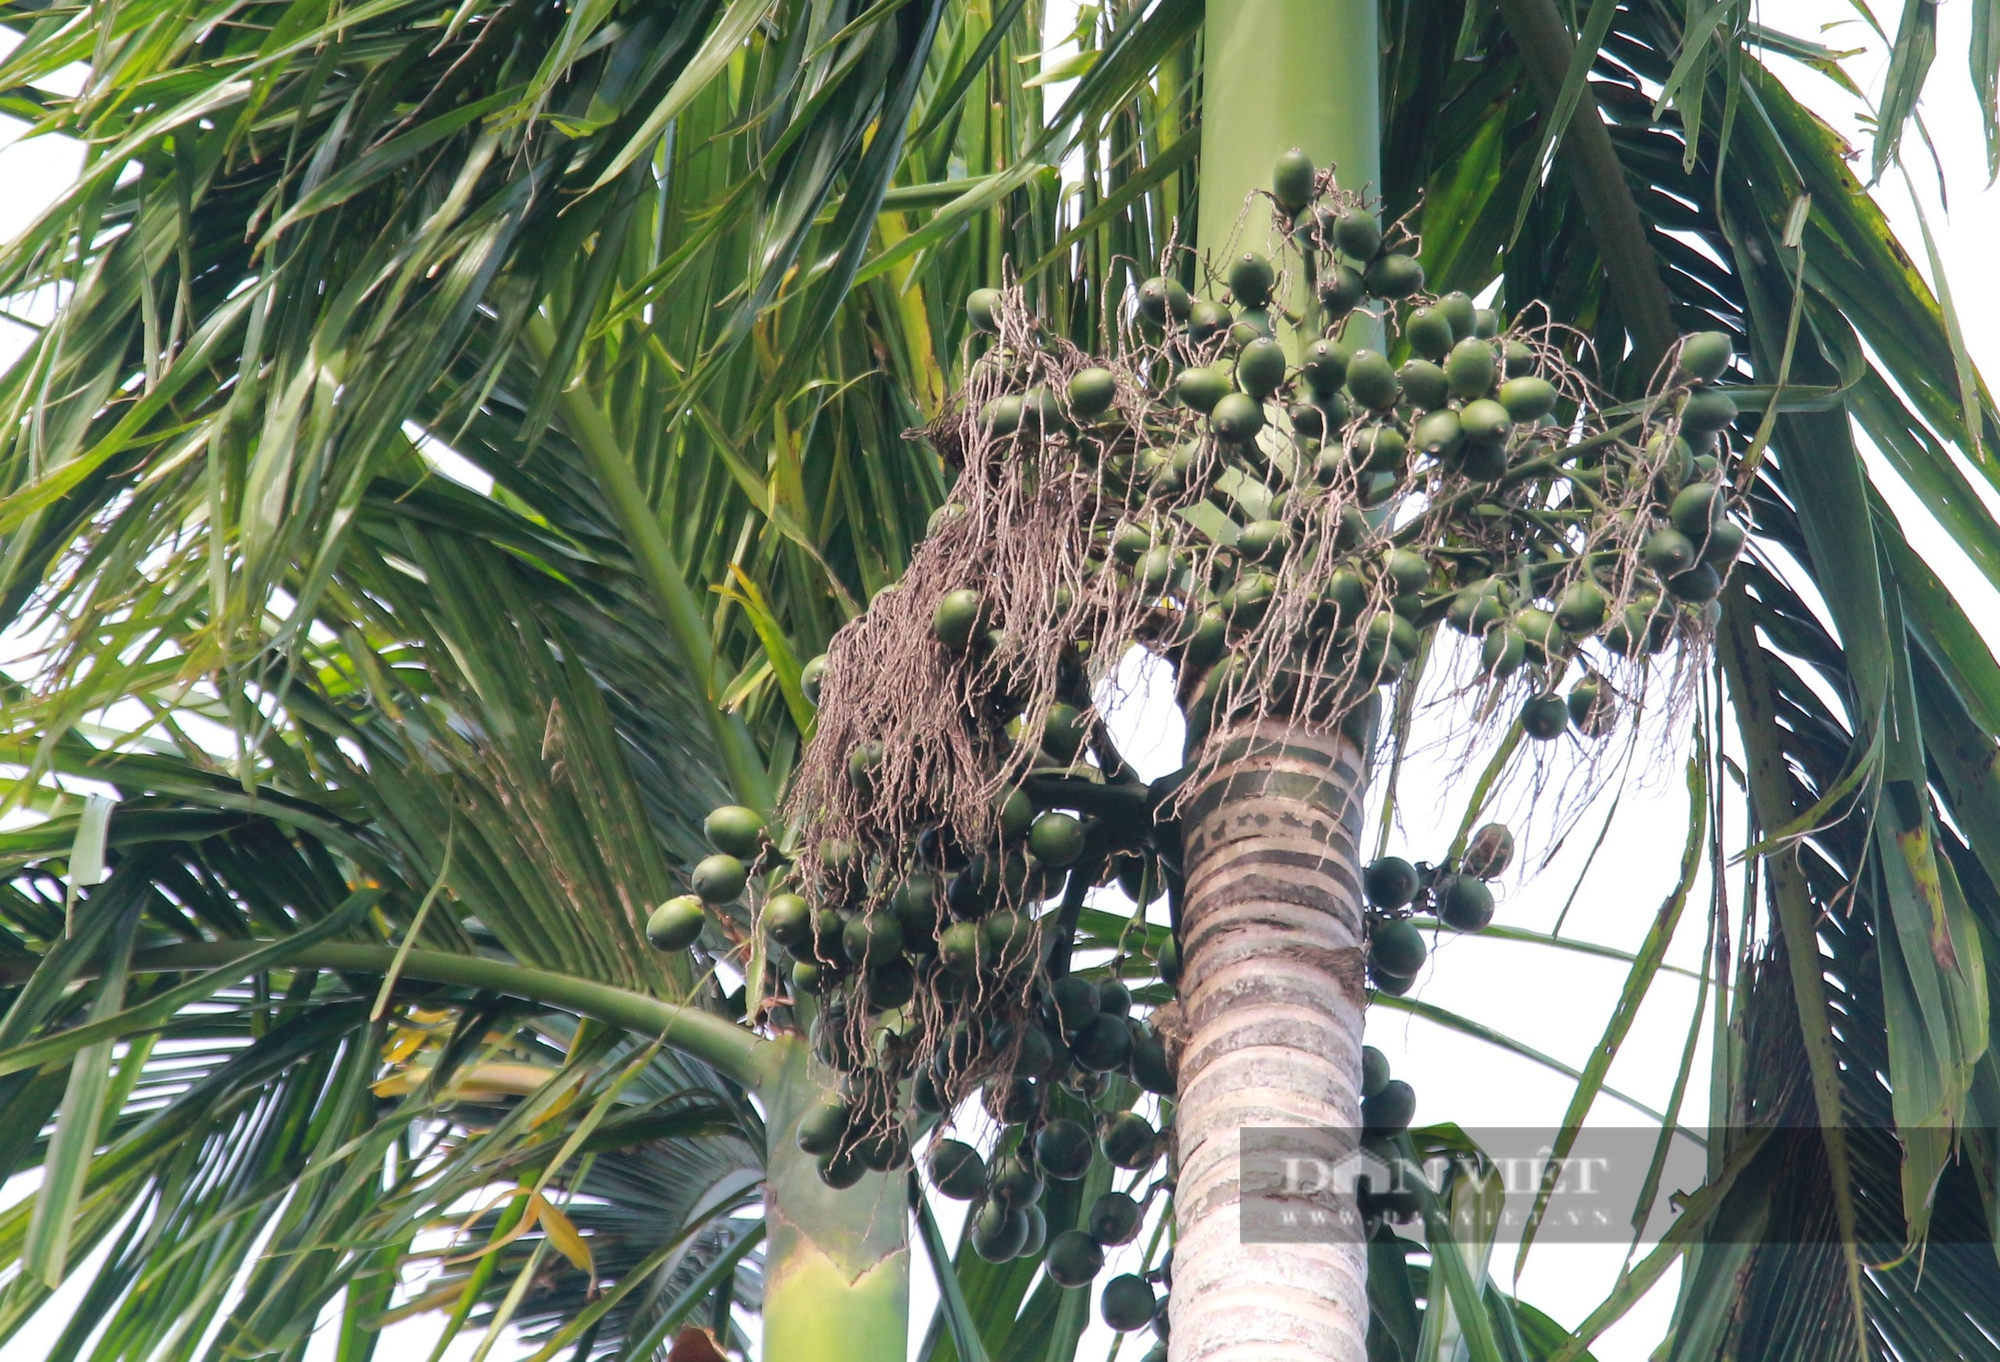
{"x": 837, "y": 1264}
{"x": 1278, "y": 74}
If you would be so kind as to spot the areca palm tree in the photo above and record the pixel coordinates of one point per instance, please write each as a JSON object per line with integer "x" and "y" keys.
{"x": 401, "y": 764}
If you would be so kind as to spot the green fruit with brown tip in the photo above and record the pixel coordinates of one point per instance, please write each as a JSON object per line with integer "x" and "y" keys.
{"x": 1245, "y": 602}
{"x": 1706, "y": 412}
{"x": 1036, "y": 1057}
{"x": 1200, "y": 388}
{"x": 1502, "y": 653}
{"x": 1092, "y": 391}
{"x": 1352, "y": 531}
{"x": 1206, "y": 640}
{"x": 999, "y": 1232}
{"x": 1464, "y": 902}
{"x": 1374, "y": 1071}
{"x": 1114, "y": 1218}
{"x": 1074, "y": 1259}
{"x": 1001, "y": 416}
{"x": 1390, "y": 882}
{"x": 1457, "y": 309}
{"x": 1471, "y": 367}
{"x": 1324, "y": 367}
{"x": 1429, "y": 332}
{"x": 1668, "y": 552}
{"x": 1358, "y": 234}
{"x": 1014, "y": 1180}
{"x": 1705, "y": 355}
{"x": 1016, "y": 812}
{"x": 1075, "y": 1000}
{"x": 1130, "y": 1142}
{"x": 1591, "y": 708}
{"x": 1038, "y": 1232}
{"x": 1206, "y": 320}
{"x": 861, "y": 765}
{"x": 891, "y": 985}
{"x": 1538, "y": 627}
{"x": 1150, "y": 1069}
{"x": 1063, "y": 1150}
{"x": 1489, "y": 853}
{"x": 1393, "y": 276}
{"x": 1380, "y": 449}
{"x": 1395, "y": 985}
{"x": 1064, "y": 730}
{"x": 787, "y": 919}
{"x": 809, "y": 977}
{"x": 1102, "y": 1044}
{"x": 1477, "y": 608}
{"x": 1423, "y": 384}
{"x": 1699, "y": 584}
{"x": 1583, "y": 608}
{"x": 1010, "y": 938}
{"x": 1397, "y": 948}
{"x": 1697, "y": 509}
{"x": 1407, "y": 570}
{"x": 1528, "y": 398}
{"x": 1237, "y": 418}
{"x": 1161, "y": 298}
{"x": 1263, "y": 540}
{"x": 1250, "y": 323}
{"x": 1725, "y": 541}
{"x": 1545, "y": 717}
{"x": 915, "y": 904}
{"x": 1372, "y": 380}
{"x": 1131, "y": 543}
{"x": 1250, "y": 280}
{"x": 871, "y": 939}
{"x": 1292, "y": 180}
{"x": 957, "y": 618}
{"x": 1341, "y": 290}
{"x": 1390, "y": 1111}
{"x": 1308, "y": 422}
{"x": 1155, "y": 569}
{"x": 1260, "y": 367}
{"x": 719, "y": 878}
{"x": 982, "y": 307}
{"x": 824, "y": 1126}
{"x": 675, "y": 924}
{"x": 1128, "y": 1303}
{"x": 962, "y": 948}
{"x": 810, "y": 677}
{"x": 735, "y": 830}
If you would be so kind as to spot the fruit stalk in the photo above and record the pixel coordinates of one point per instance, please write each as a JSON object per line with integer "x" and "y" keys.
{"x": 1272, "y": 984}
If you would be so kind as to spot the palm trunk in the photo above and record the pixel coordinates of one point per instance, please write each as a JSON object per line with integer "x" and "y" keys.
{"x": 837, "y": 1264}
{"x": 1271, "y": 925}
{"x": 1271, "y": 928}
{"x": 1278, "y": 74}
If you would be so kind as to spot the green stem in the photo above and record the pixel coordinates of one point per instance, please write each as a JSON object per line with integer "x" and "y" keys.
{"x": 747, "y": 1058}
{"x": 661, "y": 570}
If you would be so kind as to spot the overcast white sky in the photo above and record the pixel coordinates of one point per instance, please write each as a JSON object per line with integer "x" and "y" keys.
{"x": 1493, "y": 982}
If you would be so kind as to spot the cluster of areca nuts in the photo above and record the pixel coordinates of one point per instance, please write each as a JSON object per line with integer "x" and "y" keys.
{"x": 1457, "y": 894}
{"x": 1287, "y": 531}
{"x": 1060, "y": 1080}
